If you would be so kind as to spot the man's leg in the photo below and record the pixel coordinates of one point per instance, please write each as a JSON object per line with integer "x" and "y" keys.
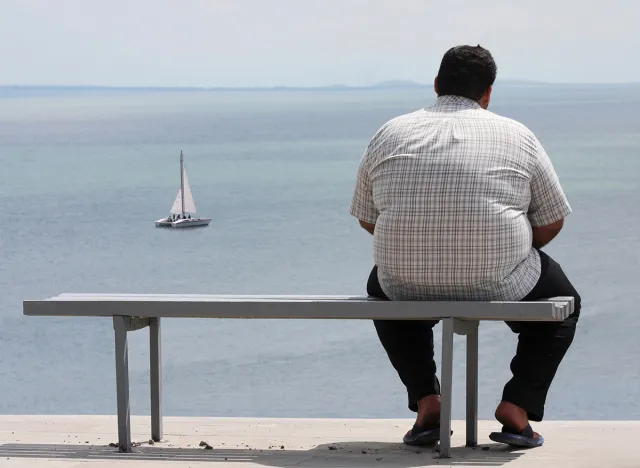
{"x": 409, "y": 345}
{"x": 541, "y": 348}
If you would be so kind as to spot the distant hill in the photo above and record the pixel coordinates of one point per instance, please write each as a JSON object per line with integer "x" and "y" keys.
{"x": 394, "y": 84}
{"x": 17, "y": 90}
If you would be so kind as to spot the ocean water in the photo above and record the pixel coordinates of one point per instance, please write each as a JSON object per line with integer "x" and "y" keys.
{"x": 83, "y": 175}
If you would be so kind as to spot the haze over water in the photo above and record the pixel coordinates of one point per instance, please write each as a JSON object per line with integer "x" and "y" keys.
{"x": 85, "y": 173}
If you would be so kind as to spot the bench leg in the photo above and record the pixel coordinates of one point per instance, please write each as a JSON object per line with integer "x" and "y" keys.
{"x": 122, "y": 383}
{"x": 472, "y": 385}
{"x": 155, "y": 372}
{"x": 446, "y": 390}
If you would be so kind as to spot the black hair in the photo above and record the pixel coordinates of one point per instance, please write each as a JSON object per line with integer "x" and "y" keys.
{"x": 466, "y": 71}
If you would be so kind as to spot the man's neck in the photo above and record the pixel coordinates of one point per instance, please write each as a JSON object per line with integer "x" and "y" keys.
{"x": 453, "y": 99}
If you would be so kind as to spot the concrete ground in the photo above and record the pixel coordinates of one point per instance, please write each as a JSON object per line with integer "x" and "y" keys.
{"x": 83, "y": 441}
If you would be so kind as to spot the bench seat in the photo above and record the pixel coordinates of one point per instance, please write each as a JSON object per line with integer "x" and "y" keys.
{"x": 131, "y": 312}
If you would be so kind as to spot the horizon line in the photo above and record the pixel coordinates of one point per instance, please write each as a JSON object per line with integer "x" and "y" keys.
{"x": 389, "y": 84}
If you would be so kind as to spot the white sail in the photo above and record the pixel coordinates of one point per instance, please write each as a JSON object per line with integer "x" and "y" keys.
{"x": 177, "y": 204}
{"x": 189, "y": 203}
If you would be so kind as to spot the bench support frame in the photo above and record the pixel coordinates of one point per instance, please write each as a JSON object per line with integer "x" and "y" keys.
{"x": 450, "y": 326}
{"x": 122, "y": 325}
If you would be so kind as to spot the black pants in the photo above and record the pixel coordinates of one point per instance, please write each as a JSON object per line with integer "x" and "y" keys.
{"x": 541, "y": 346}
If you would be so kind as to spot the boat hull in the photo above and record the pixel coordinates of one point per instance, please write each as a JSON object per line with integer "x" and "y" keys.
{"x": 183, "y": 223}
{"x": 164, "y": 222}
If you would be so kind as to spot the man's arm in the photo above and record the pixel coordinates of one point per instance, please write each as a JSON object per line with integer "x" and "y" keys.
{"x": 549, "y": 205}
{"x": 542, "y": 235}
{"x": 367, "y": 226}
{"x": 362, "y": 205}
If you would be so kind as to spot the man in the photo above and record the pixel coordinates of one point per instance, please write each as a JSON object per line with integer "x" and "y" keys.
{"x": 460, "y": 201}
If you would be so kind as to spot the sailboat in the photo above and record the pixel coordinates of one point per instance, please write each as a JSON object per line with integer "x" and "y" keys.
{"x": 184, "y": 207}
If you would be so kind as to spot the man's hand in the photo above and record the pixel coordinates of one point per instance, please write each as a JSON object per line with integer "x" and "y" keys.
{"x": 542, "y": 235}
{"x": 367, "y": 226}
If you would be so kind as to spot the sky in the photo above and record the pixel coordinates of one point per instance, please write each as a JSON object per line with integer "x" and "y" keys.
{"x": 240, "y": 43}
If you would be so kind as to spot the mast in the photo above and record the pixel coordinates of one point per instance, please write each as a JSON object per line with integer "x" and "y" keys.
{"x": 182, "y": 181}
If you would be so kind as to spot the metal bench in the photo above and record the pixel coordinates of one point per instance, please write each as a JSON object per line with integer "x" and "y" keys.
{"x": 132, "y": 312}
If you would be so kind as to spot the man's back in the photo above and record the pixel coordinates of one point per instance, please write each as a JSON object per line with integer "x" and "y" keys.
{"x": 451, "y": 190}
{"x": 460, "y": 201}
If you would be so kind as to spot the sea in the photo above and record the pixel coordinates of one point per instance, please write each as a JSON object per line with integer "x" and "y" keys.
{"x": 84, "y": 173}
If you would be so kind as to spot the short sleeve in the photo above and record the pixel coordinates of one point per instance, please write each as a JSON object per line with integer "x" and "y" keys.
{"x": 548, "y": 201}
{"x": 362, "y": 206}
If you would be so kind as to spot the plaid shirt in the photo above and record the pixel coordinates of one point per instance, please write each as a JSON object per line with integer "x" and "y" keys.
{"x": 453, "y": 191}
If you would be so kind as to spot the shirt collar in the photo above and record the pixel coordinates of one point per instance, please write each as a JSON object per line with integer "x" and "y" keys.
{"x": 451, "y": 102}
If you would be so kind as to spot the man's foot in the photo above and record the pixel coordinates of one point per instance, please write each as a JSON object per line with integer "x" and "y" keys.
{"x": 426, "y": 429}
{"x": 429, "y": 412}
{"x": 516, "y": 430}
{"x": 513, "y": 417}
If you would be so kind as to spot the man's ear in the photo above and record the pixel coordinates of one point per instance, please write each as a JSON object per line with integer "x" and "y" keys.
{"x": 486, "y": 98}
{"x": 435, "y": 85}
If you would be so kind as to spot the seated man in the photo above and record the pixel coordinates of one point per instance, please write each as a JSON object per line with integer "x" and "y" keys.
{"x": 460, "y": 201}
